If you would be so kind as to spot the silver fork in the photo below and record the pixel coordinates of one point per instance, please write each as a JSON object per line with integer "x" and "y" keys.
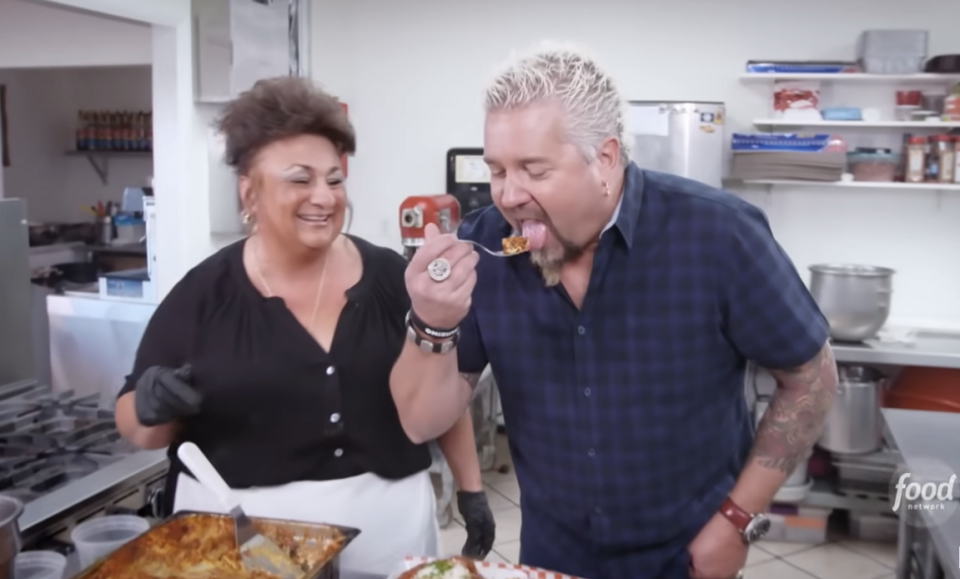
{"x": 490, "y": 251}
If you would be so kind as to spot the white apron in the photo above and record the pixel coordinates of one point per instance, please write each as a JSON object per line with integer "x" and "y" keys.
{"x": 396, "y": 518}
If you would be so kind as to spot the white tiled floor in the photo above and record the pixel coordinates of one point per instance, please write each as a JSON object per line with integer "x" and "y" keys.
{"x": 837, "y": 559}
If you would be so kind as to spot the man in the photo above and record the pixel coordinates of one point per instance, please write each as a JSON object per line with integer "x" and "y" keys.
{"x": 619, "y": 344}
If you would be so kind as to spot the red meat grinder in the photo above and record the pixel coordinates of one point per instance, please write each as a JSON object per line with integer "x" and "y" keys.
{"x": 416, "y": 212}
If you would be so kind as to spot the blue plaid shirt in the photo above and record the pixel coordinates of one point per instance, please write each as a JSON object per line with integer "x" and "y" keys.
{"x": 626, "y": 419}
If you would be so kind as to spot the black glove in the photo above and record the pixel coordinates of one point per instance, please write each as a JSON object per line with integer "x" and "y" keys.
{"x": 163, "y": 395}
{"x": 481, "y": 528}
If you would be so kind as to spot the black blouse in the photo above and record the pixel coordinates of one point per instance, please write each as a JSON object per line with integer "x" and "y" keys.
{"x": 276, "y": 407}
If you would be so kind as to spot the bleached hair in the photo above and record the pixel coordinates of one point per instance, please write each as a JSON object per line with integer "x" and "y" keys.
{"x": 563, "y": 73}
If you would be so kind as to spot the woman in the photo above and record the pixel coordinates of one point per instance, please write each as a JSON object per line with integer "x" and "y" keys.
{"x": 274, "y": 354}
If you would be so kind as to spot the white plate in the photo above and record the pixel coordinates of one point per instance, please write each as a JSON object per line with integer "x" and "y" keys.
{"x": 486, "y": 569}
{"x": 489, "y": 570}
{"x": 498, "y": 573}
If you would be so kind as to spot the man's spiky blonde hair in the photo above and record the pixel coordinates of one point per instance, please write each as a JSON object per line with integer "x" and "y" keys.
{"x": 565, "y": 74}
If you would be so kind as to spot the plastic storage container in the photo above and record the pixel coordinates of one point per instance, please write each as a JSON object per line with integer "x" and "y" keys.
{"x": 876, "y": 528}
{"x": 892, "y": 51}
{"x": 910, "y": 98}
{"x": 792, "y": 524}
{"x": 841, "y": 114}
{"x": 39, "y": 565}
{"x": 874, "y": 167}
{"x": 905, "y": 112}
{"x": 97, "y": 538}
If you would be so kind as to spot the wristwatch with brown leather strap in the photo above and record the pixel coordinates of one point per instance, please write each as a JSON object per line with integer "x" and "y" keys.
{"x": 752, "y": 527}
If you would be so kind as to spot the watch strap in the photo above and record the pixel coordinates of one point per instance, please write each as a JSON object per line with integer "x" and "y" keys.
{"x": 733, "y": 513}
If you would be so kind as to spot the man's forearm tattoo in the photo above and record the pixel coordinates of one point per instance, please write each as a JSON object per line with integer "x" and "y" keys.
{"x": 471, "y": 379}
{"x": 794, "y": 419}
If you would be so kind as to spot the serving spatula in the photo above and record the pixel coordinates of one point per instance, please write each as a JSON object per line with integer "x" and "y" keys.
{"x": 257, "y": 552}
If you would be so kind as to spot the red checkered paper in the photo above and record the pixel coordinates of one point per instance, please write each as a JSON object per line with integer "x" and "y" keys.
{"x": 492, "y": 570}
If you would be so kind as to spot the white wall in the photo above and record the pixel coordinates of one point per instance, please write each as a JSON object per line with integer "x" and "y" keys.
{"x": 412, "y": 73}
{"x": 39, "y": 35}
{"x": 42, "y": 115}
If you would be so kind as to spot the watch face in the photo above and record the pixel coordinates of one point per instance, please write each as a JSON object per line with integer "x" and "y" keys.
{"x": 758, "y": 526}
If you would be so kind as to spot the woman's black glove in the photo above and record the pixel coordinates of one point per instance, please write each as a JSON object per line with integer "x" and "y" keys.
{"x": 164, "y": 394}
{"x": 481, "y": 528}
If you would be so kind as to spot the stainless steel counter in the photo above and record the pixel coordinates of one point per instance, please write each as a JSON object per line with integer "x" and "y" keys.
{"x": 922, "y": 435}
{"x": 133, "y": 248}
{"x": 935, "y": 349}
{"x": 122, "y": 477}
{"x": 57, "y": 247}
{"x": 50, "y": 255}
{"x": 120, "y": 248}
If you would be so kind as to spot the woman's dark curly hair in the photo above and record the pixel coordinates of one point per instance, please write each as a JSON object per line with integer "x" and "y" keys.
{"x": 277, "y": 108}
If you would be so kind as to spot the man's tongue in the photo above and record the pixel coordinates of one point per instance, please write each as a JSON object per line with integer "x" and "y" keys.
{"x": 535, "y": 232}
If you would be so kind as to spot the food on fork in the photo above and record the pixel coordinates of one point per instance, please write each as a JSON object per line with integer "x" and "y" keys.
{"x": 452, "y": 568}
{"x": 515, "y": 245}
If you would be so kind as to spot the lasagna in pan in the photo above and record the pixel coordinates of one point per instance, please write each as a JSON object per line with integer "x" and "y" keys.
{"x": 515, "y": 245}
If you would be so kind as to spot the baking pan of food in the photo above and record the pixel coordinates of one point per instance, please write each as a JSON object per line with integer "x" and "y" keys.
{"x": 192, "y": 545}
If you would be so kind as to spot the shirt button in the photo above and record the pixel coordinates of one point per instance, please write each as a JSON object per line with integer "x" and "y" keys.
{"x": 330, "y": 370}
{"x": 338, "y": 453}
{"x": 587, "y": 392}
{"x": 335, "y": 417}
{"x": 581, "y": 330}
{"x": 591, "y": 453}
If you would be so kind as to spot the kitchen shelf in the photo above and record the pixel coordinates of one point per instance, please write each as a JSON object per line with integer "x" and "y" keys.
{"x": 850, "y": 77}
{"x": 930, "y": 348}
{"x": 940, "y": 125}
{"x": 855, "y": 184}
{"x": 823, "y": 496}
{"x": 99, "y": 160}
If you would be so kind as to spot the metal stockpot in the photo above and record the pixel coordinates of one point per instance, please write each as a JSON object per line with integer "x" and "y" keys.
{"x": 854, "y": 424}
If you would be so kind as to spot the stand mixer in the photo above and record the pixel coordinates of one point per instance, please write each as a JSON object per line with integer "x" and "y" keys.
{"x": 468, "y": 189}
{"x": 417, "y": 211}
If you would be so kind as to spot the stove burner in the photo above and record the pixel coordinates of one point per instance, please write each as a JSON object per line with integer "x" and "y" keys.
{"x": 49, "y": 439}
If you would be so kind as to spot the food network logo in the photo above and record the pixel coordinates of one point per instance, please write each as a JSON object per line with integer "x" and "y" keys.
{"x": 924, "y": 493}
{"x": 927, "y": 492}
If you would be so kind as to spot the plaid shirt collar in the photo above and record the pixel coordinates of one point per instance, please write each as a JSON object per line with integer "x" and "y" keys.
{"x": 627, "y": 213}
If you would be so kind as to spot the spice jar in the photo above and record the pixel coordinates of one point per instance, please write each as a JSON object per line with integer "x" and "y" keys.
{"x": 932, "y": 158}
{"x": 916, "y": 167}
{"x": 951, "y": 105}
{"x": 945, "y": 153}
{"x": 956, "y": 161}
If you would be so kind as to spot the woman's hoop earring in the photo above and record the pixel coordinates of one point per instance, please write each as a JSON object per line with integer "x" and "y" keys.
{"x": 349, "y": 221}
{"x": 245, "y": 217}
